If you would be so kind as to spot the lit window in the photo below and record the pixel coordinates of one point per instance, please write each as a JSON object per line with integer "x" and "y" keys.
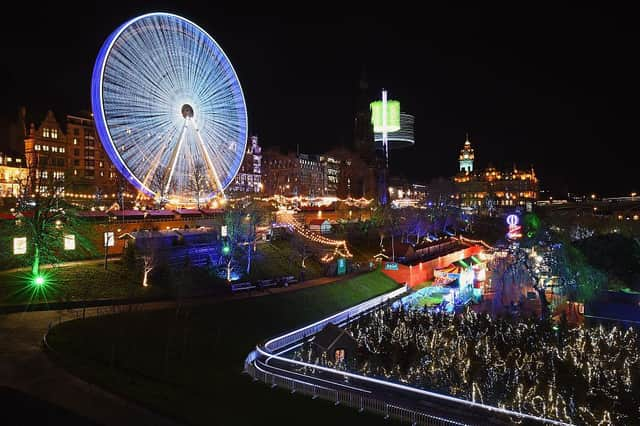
{"x": 37, "y": 147}
{"x": 20, "y": 245}
{"x": 339, "y": 355}
{"x": 62, "y": 149}
{"x": 45, "y": 133}
{"x": 69, "y": 242}
{"x": 101, "y": 174}
{"x": 44, "y": 174}
{"x": 54, "y": 133}
{"x": 54, "y": 149}
{"x": 101, "y": 164}
{"x": 45, "y": 147}
{"x": 75, "y": 141}
{"x": 75, "y": 172}
{"x": 109, "y": 239}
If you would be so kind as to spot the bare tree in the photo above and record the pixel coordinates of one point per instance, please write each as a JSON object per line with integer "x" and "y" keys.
{"x": 198, "y": 182}
{"x": 149, "y": 257}
{"x": 253, "y": 216}
{"x": 160, "y": 187}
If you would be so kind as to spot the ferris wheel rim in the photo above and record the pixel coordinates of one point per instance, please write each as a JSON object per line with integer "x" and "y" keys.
{"x": 97, "y": 100}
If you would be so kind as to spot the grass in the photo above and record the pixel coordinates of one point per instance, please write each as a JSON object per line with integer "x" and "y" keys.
{"x": 277, "y": 258}
{"x": 429, "y": 301}
{"x": 188, "y": 367}
{"x": 72, "y": 283}
{"x": 90, "y": 281}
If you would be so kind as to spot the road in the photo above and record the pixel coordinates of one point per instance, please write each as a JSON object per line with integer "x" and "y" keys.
{"x": 25, "y": 367}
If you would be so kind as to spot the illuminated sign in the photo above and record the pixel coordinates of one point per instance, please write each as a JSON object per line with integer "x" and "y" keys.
{"x": 515, "y": 230}
{"x": 391, "y": 266}
{"x": 109, "y": 239}
{"x": 385, "y": 116}
{"x": 70, "y": 242}
{"x": 20, "y": 245}
{"x": 223, "y": 231}
{"x": 342, "y": 266}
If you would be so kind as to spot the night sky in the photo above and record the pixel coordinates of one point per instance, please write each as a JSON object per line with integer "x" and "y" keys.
{"x": 556, "y": 89}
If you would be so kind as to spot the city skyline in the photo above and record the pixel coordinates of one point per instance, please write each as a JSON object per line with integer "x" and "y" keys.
{"x": 520, "y": 97}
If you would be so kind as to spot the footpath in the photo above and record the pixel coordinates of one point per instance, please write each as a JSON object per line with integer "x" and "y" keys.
{"x": 27, "y": 371}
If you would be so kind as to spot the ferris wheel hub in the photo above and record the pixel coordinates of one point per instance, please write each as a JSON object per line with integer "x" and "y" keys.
{"x": 187, "y": 111}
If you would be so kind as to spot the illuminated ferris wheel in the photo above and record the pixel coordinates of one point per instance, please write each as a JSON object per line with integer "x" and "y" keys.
{"x": 169, "y": 108}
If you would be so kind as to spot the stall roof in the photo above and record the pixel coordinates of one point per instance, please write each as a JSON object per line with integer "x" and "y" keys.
{"x": 93, "y": 214}
{"x": 127, "y": 213}
{"x": 160, "y": 213}
{"x": 467, "y": 262}
{"x": 211, "y": 211}
{"x": 188, "y": 212}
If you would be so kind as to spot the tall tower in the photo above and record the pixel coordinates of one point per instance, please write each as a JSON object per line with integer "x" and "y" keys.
{"x": 363, "y": 129}
{"x": 466, "y": 156}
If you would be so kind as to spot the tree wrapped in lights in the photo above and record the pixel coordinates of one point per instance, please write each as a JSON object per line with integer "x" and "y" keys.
{"x": 582, "y": 375}
{"x": 46, "y": 220}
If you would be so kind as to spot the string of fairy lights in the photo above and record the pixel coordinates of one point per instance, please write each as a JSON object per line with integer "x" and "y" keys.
{"x": 340, "y": 248}
{"x": 579, "y": 376}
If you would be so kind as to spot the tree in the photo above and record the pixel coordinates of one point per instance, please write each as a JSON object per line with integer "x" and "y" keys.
{"x": 253, "y": 216}
{"x": 149, "y": 257}
{"x": 198, "y": 183}
{"x": 233, "y": 222}
{"x": 43, "y": 216}
{"x": 160, "y": 187}
{"x": 388, "y": 220}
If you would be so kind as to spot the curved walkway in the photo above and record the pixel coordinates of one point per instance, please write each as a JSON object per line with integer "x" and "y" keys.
{"x": 26, "y": 367}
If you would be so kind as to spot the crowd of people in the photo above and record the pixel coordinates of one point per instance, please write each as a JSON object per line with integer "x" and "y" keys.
{"x": 530, "y": 365}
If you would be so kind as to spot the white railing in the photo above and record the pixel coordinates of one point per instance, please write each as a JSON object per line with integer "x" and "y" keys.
{"x": 267, "y": 351}
{"x": 349, "y": 399}
{"x": 295, "y": 336}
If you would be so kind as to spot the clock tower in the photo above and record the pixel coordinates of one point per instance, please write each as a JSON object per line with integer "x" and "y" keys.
{"x": 466, "y": 156}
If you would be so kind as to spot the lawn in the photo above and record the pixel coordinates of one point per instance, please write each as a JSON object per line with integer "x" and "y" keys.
{"x": 278, "y": 258}
{"x": 92, "y": 282}
{"x": 73, "y": 283}
{"x": 188, "y": 366}
{"x": 429, "y": 301}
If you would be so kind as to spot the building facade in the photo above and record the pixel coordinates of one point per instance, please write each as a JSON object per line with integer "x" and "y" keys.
{"x": 13, "y": 170}
{"x": 490, "y": 189}
{"x": 90, "y": 169}
{"x": 45, "y": 149}
{"x": 305, "y": 175}
{"x": 249, "y": 177}
{"x": 70, "y": 157}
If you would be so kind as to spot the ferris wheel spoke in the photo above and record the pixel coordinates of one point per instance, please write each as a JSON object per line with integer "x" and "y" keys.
{"x": 174, "y": 157}
{"x": 211, "y": 169}
{"x": 147, "y": 73}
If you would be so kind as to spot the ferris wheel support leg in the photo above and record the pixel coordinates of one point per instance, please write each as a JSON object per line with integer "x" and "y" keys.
{"x": 153, "y": 168}
{"x": 212, "y": 169}
{"x": 174, "y": 158}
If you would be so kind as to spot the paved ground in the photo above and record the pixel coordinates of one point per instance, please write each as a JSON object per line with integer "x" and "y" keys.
{"x": 29, "y": 376}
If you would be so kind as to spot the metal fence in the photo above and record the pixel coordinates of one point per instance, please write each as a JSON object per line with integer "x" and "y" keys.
{"x": 357, "y": 400}
{"x": 349, "y": 399}
{"x": 295, "y": 336}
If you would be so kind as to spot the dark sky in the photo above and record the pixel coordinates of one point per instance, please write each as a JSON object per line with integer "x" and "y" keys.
{"x": 554, "y": 88}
